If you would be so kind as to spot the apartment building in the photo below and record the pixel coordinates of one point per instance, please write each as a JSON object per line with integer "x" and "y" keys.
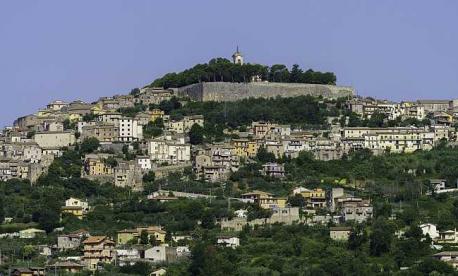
{"x": 97, "y": 250}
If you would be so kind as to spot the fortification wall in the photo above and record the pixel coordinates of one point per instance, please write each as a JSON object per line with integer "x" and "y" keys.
{"x": 226, "y": 91}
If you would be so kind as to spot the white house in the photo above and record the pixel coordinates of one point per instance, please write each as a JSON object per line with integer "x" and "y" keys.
{"x": 31, "y": 233}
{"x": 429, "y": 229}
{"x": 144, "y": 162}
{"x": 130, "y": 130}
{"x": 161, "y": 254}
{"x": 228, "y": 241}
{"x": 241, "y": 213}
{"x": 75, "y": 202}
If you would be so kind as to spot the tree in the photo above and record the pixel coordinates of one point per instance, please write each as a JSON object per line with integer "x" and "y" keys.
{"x": 144, "y": 237}
{"x": 149, "y": 177}
{"x": 196, "y": 135}
{"x": 297, "y": 200}
{"x": 264, "y": 156}
{"x": 357, "y": 238}
{"x": 49, "y": 219}
{"x": 28, "y": 251}
{"x": 89, "y": 145}
{"x": 296, "y": 74}
{"x": 153, "y": 241}
{"x": 2, "y": 210}
{"x": 380, "y": 238}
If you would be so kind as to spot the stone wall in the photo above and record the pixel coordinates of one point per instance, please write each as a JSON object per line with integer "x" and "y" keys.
{"x": 227, "y": 91}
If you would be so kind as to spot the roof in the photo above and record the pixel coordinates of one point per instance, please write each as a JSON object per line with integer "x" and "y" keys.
{"x": 66, "y": 264}
{"x": 96, "y": 239}
{"x": 256, "y": 192}
{"x": 446, "y": 253}
{"x": 340, "y": 228}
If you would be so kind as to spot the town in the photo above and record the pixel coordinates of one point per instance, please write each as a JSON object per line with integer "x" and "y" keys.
{"x": 133, "y": 182}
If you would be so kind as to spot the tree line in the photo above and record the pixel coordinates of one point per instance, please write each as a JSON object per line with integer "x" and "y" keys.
{"x": 223, "y": 70}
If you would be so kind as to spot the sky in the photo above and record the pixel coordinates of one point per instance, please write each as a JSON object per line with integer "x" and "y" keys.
{"x": 69, "y": 50}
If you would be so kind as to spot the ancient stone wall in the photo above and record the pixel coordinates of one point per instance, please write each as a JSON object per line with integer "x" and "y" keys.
{"x": 226, "y": 91}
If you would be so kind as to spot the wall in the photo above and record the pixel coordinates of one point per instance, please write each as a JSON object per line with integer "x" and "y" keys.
{"x": 226, "y": 91}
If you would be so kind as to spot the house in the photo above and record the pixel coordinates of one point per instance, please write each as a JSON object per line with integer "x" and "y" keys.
{"x": 439, "y": 186}
{"x": 170, "y": 150}
{"x": 429, "y": 229}
{"x": 53, "y": 139}
{"x": 71, "y": 240}
{"x": 97, "y": 249}
{"x": 228, "y": 241}
{"x": 65, "y": 267}
{"x": 241, "y": 213}
{"x": 104, "y": 132}
{"x": 265, "y": 200}
{"x": 126, "y": 235}
{"x": 158, "y": 272}
{"x": 128, "y": 174}
{"x": 22, "y": 271}
{"x": 215, "y": 163}
{"x": 273, "y": 170}
{"x": 159, "y": 254}
{"x": 76, "y": 207}
{"x": 450, "y": 257}
{"x": 448, "y": 236}
{"x": 31, "y": 233}
{"x": 358, "y": 211}
{"x": 315, "y": 198}
{"x": 340, "y": 233}
{"x": 129, "y": 130}
{"x": 127, "y": 256}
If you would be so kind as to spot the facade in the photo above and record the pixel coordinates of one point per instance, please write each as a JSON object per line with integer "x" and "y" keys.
{"x": 159, "y": 254}
{"x": 97, "y": 249}
{"x": 129, "y": 130}
{"x": 170, "y": 151}
{"x": 273, "y": 170}
{"x": 49, "y": 139}
{"x": 104, "y": 132}
{"x": 215, "y": 162}
{"x": 127, "y": 235}
{"x": 228, "y": 241}
{"x": 340, "y": 233}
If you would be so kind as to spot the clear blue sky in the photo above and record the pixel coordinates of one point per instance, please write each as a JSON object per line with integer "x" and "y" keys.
{"x": 86, "y": 49}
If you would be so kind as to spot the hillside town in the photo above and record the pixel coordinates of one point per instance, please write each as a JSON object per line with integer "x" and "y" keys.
{"x": 139, "y": 144}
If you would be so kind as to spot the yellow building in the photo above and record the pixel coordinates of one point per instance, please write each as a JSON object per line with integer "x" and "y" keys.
{"x": 315, "y": 198}
{"x": 77, "y": 211}
{"x": 156, "y": 114}
{"x": 265, "y": 200}
{"x": 75, "y": 117}
{"x": 244, "y": 147}
{"x": 97, "y": 165}
{"x": 127, "y": 235}
{"x": 240, "y": 147}
{"x": 272, "y": 202}
{"x": 252, "y": 149}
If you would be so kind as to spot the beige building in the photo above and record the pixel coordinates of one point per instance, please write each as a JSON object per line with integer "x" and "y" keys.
{"x": 171, "y": 150}
{"x": 340, "y": 233}
{"x": 97, "y": 250}
{"x": 104, "y": 132}
{"x": 55, "y": 139}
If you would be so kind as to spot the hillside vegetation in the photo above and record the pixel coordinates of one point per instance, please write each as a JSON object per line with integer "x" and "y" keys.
{"x": 221, "y": 69}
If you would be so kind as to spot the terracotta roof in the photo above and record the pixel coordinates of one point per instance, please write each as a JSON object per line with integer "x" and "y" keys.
{"x": 340, "y": 228}
{"x": 96, "y": 239}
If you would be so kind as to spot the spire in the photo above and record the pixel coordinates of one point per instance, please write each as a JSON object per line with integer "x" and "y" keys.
{"x": 237, "y": 49}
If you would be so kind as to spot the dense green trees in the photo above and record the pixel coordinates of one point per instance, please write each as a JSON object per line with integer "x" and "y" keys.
{"x": 89, "y": 145}
{"x": 153, "y": 129}
{"x": 221, "y": 69}
{"x": 196, "y": 135}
